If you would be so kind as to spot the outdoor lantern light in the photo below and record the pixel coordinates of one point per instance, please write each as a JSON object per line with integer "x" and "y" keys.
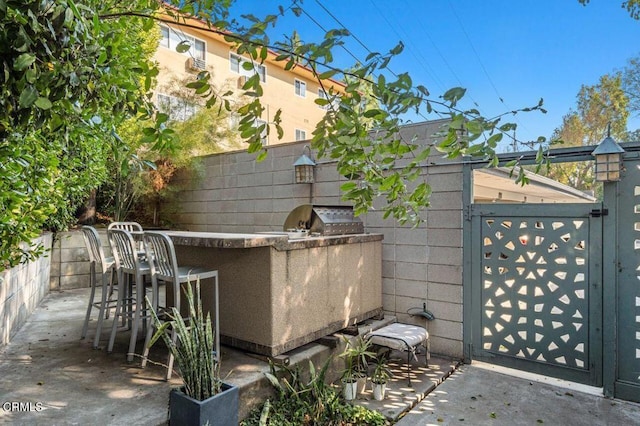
{"x": 608, "y": 160}
{"x": 304, "y": 167}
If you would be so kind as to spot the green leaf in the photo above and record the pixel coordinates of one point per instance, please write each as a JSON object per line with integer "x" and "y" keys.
{"x": 28, "y": 96}
{"x": 183, "y": 46}
{"x": 348, "y": 186}
{"x": 454, "y": 94}
{"x": 43, "y": 103}
{"x": 23, "y": 61}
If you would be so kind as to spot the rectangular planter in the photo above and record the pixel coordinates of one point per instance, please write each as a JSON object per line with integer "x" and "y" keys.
{"x": 219, "y": 410}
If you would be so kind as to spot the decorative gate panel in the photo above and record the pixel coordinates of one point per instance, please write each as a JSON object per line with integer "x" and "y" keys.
{"x": 533, "y": 280}
{"x": 627, "y": 385}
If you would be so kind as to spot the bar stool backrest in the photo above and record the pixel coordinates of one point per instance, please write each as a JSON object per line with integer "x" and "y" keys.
{"x": 164, "y": 264}
{"x": 94, "y": 247}
{"x": 124, "y": 250}
{"x": 128, "y": 226}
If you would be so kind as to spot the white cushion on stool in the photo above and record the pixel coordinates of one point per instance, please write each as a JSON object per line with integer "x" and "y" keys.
{"x": 393, "y": 335}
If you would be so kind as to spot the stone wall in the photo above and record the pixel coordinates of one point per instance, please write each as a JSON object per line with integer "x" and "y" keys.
{"x": 22, "y": 288}
{"x": 422, "y": 265}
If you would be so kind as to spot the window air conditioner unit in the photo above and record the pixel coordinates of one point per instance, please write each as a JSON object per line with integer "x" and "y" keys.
{"x": 196, "y": 64}
{"x": 241, "y": 81}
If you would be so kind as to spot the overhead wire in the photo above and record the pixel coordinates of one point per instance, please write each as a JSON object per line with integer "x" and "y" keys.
{"x": 355, "y": 37}
{"x": 479, "y": 59}
{"x": 412, "y": 51}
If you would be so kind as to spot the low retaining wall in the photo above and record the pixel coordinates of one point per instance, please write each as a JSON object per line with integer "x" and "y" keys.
{"x": 22, "y": 288}
{"x": 70, "y": 259}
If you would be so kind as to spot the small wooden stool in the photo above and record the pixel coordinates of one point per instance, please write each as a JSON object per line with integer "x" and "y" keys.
{"x": 402, "y": 337}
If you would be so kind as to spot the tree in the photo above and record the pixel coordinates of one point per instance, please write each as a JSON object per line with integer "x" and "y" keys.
{"x": 71, "y": 72}
{"x": 632, "y": 6}
{"x": 599, "y": 108}
{"x": 631, "y": 84}
{"x": 66, "y": 81}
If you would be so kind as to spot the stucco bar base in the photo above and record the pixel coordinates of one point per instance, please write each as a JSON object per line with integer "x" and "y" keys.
{"x": 277, "y": 295}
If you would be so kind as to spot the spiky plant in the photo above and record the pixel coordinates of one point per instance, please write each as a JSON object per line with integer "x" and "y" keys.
{"x": 193, "y": 350}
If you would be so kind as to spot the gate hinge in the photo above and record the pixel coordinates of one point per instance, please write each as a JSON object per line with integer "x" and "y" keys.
{"x": 467, "y": 212}
{"x": 599, "y": 212}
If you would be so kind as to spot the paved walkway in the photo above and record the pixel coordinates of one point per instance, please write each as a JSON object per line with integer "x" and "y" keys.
{"x": 56, "y": 378}
{"x": 478, "y": 394}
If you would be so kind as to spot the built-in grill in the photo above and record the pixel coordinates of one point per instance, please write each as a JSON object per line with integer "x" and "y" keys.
{"x": 324, "y": 220}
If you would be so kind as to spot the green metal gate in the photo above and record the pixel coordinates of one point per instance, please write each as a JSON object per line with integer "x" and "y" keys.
{"x": 536, "y": 293}
{"x": 555, "y": 288}
{"x": 623, "y": 318}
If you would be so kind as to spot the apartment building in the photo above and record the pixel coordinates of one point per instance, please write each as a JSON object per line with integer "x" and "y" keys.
{"x": 293, "y": 92}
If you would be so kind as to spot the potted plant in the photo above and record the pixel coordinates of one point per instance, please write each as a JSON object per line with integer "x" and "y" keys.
{"x": 381, "y": 374}
{"x": 204, "y": 398}
{"x": 356, "y": 356}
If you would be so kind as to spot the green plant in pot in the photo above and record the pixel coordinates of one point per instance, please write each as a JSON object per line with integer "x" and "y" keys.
{"x": 380, "y": 376}
{"x": 356, "y": 361}
{"x": 204, "y": 398}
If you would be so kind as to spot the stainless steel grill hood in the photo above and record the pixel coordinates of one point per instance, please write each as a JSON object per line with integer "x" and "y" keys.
{"x": 324, "y": 220}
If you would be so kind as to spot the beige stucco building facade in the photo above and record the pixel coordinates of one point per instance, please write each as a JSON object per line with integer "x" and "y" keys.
{"x": 294, "y": 91}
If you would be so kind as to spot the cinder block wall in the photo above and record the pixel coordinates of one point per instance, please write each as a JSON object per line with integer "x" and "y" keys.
{"x": 22, "y": 288}
{"x": 70, "y": 259}
{"x": 422, "y": 265}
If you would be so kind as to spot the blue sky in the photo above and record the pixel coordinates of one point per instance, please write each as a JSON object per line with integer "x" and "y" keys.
{"x": 517, "y": 51}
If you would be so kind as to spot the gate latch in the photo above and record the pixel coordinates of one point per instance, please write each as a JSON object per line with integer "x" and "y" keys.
{"x": 599, "y": 212}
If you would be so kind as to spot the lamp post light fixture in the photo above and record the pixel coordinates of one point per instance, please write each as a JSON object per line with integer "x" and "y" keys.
{"x": 608, "y": 160}
{"x": 304, "y": 167}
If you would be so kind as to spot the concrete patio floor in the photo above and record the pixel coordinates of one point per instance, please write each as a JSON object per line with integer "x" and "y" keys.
{"x": 484, "y": 394}
{"x": 59, "y": 379}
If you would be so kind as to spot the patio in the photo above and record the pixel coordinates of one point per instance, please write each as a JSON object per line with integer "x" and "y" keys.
{"x": 59, "y": 379}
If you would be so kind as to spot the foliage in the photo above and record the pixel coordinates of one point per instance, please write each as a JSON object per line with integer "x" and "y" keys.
{"x": 193, "y": 352}
{"x": 386, "y": 165}
{"x": 632, "y": 6}
{"x": 66, "y": 80}
{"x": 599, "y": 107}
{"x": 631, "y": 84}
{"x": 381, "y": 372}
{"x": 125, "y": 164}
{"x": 309, "y": 401}
{"x": 356, "y": 357}
{"x": 73, "y": 70}
{"x": 633, "y": 136}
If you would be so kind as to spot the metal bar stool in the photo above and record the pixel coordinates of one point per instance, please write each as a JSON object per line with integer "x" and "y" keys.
{"x": 96, "y": 256}
{"x": 164, "y": 267}
{"x": 133, "y": 227}
{"x": 128, "y": 262}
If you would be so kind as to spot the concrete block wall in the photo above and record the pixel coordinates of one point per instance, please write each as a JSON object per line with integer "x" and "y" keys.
{"x": 70, "y": 259}
{"x": 421, "y": 265}
{"x": 22, "y": 288}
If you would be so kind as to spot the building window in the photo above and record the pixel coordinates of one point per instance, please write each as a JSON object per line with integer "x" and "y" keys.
{"x": 263, "y": 134}
{"x": 300, "y": 88}
{"x": 176, "y": 108}
{"x": 301, "y": 135}
{"x": 171, "y": 38}
{"x": 332, "y": 102}
{"x": 237, "y": 62}
{"x": 323, "y": 95}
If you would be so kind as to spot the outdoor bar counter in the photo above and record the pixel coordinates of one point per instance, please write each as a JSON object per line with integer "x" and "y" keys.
{"x": 277, "y": 293}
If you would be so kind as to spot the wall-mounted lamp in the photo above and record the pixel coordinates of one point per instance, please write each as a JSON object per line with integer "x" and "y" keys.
{"x": 608, "y": 160}
{"x": 304, "y": 167}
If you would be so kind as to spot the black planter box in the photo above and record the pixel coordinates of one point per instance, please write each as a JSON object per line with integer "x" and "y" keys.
{"x": 219, "y": 410}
